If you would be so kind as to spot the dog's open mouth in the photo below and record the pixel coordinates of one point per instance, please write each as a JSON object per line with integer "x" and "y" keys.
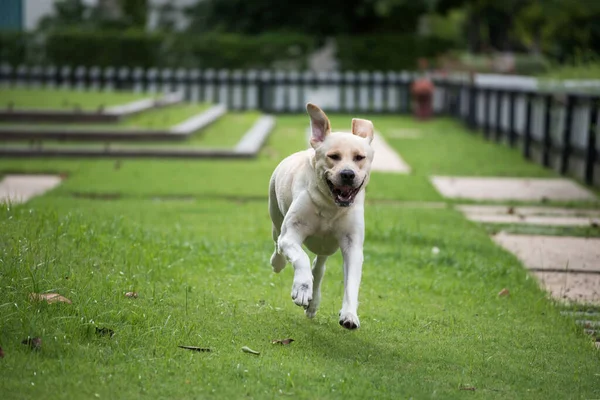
{"x": 343, "y": 195}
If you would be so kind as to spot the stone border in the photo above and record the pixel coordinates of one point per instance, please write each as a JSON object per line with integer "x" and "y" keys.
{"x": 248, "y": 147}
{"x": 110, "y": 114}
{"x": 177, "y": 132}
{"x": 253, "y": 139}
{"x": 19, "y": 188}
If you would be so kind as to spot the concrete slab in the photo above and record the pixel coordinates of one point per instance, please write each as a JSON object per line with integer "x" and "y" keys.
{"x": 533, "y": 219}
{"x": 510, "y": 189}
{"x": 528, "y": 211}
{"x": 253, "y": 140}
{"x": 404, "y": 133}
{"x": 386, "y": 158}
{"x": 553, "y": 254}
{"x": 199, "y": 121}
{"x": 21, "y": 188}
{"x": 576, "y": 287}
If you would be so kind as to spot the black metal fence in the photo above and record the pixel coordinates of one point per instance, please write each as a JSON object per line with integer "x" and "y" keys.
{"x": 558, "y": 130}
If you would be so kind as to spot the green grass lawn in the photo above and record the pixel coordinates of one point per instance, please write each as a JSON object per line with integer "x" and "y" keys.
{"x": 442, "y": 148}
{"x": 193, "y": 239}
{"x": 23, "y": 98}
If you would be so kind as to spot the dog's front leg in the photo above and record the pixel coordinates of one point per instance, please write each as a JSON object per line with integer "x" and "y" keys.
{"x": 352, "y": 252}
{"x": 290, "y": 244}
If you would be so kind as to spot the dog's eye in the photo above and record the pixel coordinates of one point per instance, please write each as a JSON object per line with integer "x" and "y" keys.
{"x": 335, "y": 157}
{"x": 359, "y": 157}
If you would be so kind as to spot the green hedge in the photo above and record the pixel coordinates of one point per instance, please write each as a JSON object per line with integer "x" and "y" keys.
{"x": 141, "y": 49}
{"x": 387, "y": 52}
{"x": 18, "y": 47}
{"x": 131, "y": 49}
{"x": 231, "y": 51}
{"x": 237, "y": 51}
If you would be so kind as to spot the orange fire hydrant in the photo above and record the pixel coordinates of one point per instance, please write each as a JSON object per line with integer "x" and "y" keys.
{"x": 422, "y": 91}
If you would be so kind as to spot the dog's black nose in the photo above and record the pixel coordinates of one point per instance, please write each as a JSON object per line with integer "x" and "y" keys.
{"x": 347, "y": 175}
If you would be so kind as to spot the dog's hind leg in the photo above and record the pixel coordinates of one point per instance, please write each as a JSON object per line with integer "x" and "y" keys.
{"x": 318, "y": 271}
{"x": 278, "y": 261}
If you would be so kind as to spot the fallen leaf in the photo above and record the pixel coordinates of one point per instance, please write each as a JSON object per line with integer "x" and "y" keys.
{"x": 105, "y": 332}
{"x": 246, "y": 349}
{"x": 282, "y": 341}
{"x": 133, "y": 295}
{"x": 468, "y": 388}
{"x": 511, "y": 210}
{"x": 194, "y": 348}
{"x": 504, "y": 292}
{"x": 1, "y": 353}
{"x": 35, "y": 343}
{"x": 49, "y": 297}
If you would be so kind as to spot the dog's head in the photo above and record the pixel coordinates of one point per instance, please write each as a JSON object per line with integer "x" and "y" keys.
{"x": 342, "y": 159}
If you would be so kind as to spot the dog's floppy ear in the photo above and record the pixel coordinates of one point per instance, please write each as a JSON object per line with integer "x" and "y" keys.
{"x": 319, "y": 124}
{"x": 362, "y": 128}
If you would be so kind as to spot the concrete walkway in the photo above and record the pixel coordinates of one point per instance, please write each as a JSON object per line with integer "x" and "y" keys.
{"x": 386, "y": 158}
{"x": 20, "y": 188}
{"x": 524, "y": 189}
{"x": 531, "y": 215}
{"x": 568, "y": 267}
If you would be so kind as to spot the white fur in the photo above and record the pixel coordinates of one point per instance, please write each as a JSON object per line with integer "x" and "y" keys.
{"x": 303, "y": 211}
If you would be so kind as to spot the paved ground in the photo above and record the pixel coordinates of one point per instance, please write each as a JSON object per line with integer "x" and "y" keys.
{"x": 529, "y": 211}
{"x": 568, "y": 267}
{"x": 386, "y": 158}
{"x": 510, "y": 189}
{"x": 21, "y": 188}
{"x": 404, "y": 133}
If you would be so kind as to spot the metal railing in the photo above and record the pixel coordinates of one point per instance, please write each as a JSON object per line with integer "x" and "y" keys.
{"x": 558, "y": 130}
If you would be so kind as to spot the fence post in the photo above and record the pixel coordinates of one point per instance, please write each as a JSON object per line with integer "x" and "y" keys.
{"x": 527, "y": 129}
{"x": 472, "y": 110}
{"x": 499, "y": 101}
{"x": 591, "y": 155}
{"x": 546, "y": 141}
{"x": 566, "y": 150}
{"x": 512, "y": 134}
{"x": 487, "y": 108}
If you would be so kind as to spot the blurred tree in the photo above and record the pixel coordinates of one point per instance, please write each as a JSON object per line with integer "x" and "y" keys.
{"x": 561, "y": 27}
{"x": 315, "y": 17}
{"x": 489, "y": 23}
{"x": 67, "y": 13}
{"x": 107, "y": 14}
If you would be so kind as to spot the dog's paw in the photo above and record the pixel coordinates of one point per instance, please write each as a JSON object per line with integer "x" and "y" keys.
{"x": 349, "y": 320}
{"x": 302, "y": 292}
{"x": 278, "y": 262}
{"x": 312, "y": 308}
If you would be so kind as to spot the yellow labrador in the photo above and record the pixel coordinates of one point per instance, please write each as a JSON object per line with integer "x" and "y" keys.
{"x": 316, "y": 198}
